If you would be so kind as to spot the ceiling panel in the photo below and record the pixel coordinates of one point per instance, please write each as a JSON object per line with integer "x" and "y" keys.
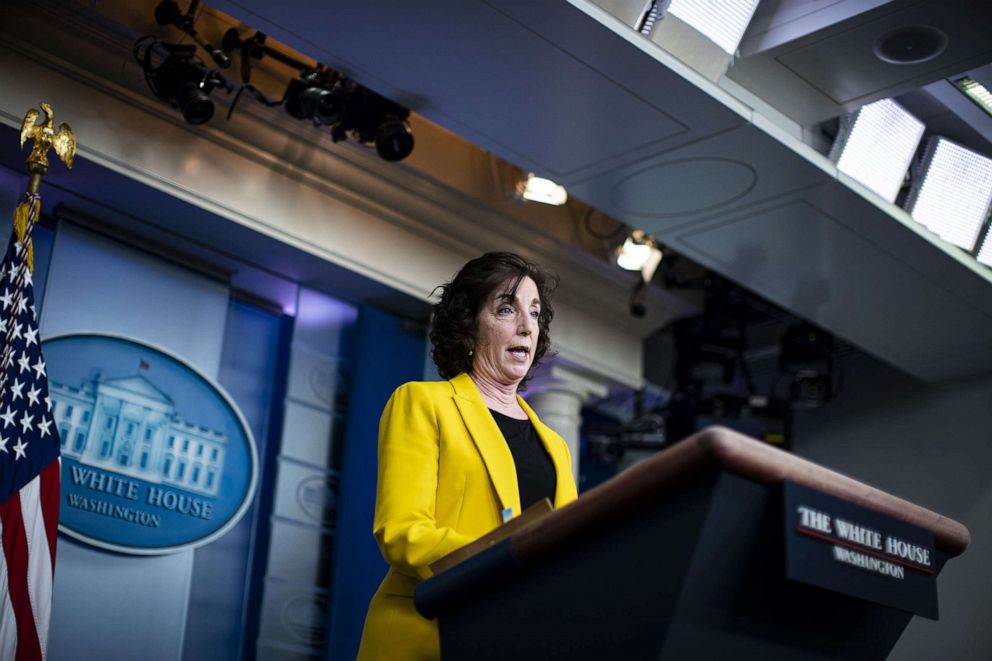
{"x": 843, "y": 66}
{"x": 813, "y": 76}
{"x": 711, "y": 177}
{"x": 776, "y": 22}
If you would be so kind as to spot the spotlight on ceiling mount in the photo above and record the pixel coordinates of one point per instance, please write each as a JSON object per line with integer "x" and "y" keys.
{"x": 539, "y": 189}
{"x": 178, "y": 77}
{"x": 639, "y": 252}
{"x": 876, "y": 144}
{"x": 317, "y": 95}
{"x": 374, "y": 121}
{"x": 328, "y": 98}
{"x": 952, "y": 192}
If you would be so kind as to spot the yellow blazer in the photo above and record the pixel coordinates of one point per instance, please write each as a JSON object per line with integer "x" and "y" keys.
{"x": 445, "y": 476}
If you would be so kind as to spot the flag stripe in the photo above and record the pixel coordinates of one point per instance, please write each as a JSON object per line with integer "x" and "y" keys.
{"x": 15, "y": 549}
{"x": 39, "y": 560}
{"x": 51, "y": 479}
{"x": 8, "y": 624}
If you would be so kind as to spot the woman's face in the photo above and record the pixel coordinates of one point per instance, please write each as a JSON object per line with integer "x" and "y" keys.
{"x": 507, "y": 336}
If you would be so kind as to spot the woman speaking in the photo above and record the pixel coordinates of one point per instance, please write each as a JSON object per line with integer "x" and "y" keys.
{"x": 458, "y": 457}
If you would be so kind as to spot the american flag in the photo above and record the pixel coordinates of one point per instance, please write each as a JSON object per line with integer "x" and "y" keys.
{"x": 29, "y": 468}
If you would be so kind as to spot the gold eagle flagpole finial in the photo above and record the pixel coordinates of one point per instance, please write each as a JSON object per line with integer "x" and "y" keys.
{"x": 44, "y": 137}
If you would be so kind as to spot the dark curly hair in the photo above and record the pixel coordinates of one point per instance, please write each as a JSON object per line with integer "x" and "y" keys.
{"x": 456, "y": 315}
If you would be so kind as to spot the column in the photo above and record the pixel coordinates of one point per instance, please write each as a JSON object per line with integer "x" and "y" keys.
{"x": 557, "y": 394}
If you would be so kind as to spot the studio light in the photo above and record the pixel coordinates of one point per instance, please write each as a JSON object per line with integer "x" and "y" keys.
{"x": 639, "y": 252}
{"x": 876, "y": 144}
{"x": 952, "y": 192}
{"x": 351, "y": 111}
{"x": 315, "y": 95}
{"x": 975, "y": 91}
{"x": 704, "y": 34}
{"x": 178, "y": 77}
{"x": 375, "y": 121}
{"x": 393, "y": 139}
{"x": 328, "y": 98}
{"x": 539, "y": 189}
{"x": 723, "y": 22}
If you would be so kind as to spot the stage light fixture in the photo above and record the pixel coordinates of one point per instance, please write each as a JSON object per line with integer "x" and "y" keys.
{"x": 952, "y": 192}
{"x": 374, "y": 121}
{"x": 876, "y": 144}
{"x": 539, "y": 189}
{"x": 639, "y": 252}
{"x": 178, "y": 77}
{"x": 975, "y": 91}
{"x": 393, "y": 139}
{"x": 723, "y": 23}
{"x": 316, "y": 95}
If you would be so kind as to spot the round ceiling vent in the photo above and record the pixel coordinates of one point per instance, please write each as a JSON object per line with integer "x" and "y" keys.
{"x": 910, "y": 45}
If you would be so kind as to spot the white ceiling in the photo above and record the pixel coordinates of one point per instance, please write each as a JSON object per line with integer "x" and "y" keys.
{"x": 573, "y": 93}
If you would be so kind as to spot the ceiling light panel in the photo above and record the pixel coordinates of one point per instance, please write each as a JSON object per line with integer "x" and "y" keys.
{"x": 633, "y": 256}
{"x": 975, "y": 91}
{"x": 545, "y": 191}
{"x": 876, "y": 144}
{"x": 953, "y": 192}
{"x": 723, "y": 21}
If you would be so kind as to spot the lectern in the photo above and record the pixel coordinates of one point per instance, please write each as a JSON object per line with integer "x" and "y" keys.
{"x": 719, "y": 547}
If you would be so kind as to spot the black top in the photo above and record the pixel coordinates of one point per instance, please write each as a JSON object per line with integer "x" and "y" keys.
{"x": 536, "y": 476}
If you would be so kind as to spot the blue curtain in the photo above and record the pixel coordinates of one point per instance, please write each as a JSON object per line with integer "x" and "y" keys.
{"x": 389, "y": 354}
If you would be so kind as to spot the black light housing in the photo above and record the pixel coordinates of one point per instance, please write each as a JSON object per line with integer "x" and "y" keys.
{"x": 374, "y": 120}
{"x": 393, "y": 139}
{"x": 351, "y": 110}
{"x": 178, "y": 77}
{"x": 317, "y": 96}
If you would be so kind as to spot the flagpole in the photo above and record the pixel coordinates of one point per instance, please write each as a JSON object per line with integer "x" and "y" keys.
{"x": 31, "y": 204}
{"x": 30, "y": 469}
{"x": 43, "y": 137}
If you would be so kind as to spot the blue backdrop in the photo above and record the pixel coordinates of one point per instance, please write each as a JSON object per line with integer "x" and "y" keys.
{"x": 389, "y": 354}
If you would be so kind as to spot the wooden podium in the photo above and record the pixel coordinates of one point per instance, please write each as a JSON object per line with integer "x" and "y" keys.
{"x": 681, "y": 557}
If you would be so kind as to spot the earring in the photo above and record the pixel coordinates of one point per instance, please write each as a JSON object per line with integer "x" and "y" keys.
{"x": 470, "y": 352}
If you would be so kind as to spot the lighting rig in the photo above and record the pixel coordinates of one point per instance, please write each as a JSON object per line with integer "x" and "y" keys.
{"x": 639, "y": 252}
{"x": 317, "y": 94}
{"x": 329, "y": 98}
{"x": 179, "y": 78}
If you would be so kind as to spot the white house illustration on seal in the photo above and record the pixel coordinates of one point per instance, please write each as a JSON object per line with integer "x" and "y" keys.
{"x": 129, "y": 426}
